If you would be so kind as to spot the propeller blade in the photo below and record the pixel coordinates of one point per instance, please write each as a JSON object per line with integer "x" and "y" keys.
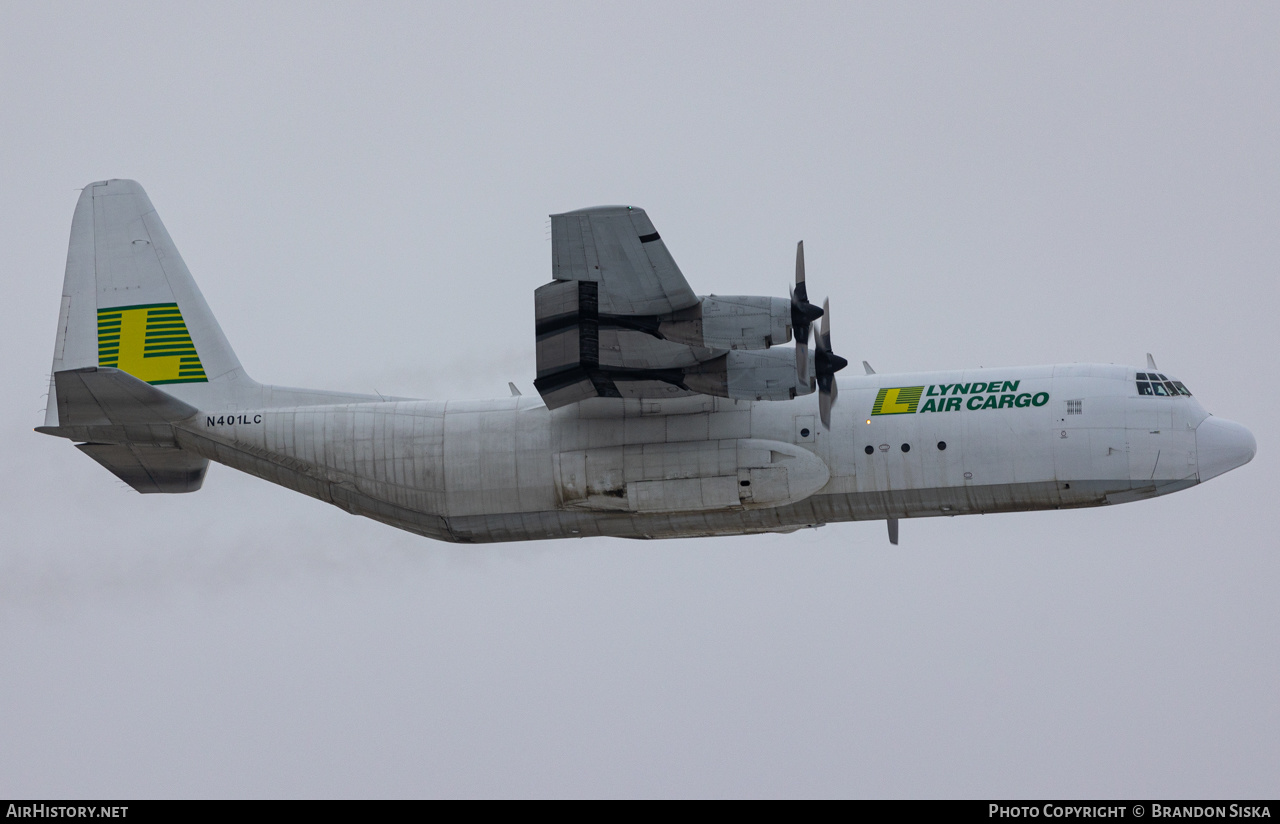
{"x": 826, "y": 364}
{"x": 802, "y": 358}
{"x": 803, "y": 314}
{"x": 804, "y": 295}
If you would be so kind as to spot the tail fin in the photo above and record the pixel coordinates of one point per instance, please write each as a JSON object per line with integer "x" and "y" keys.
{"x": 129, "y": 303}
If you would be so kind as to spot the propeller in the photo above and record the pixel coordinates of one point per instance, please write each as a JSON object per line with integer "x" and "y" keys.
{"x": 826, "y": 364}
{"x": 803, "y": 314}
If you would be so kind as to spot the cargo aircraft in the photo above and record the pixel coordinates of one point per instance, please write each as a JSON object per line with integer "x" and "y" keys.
{"x": 662, "y": 413}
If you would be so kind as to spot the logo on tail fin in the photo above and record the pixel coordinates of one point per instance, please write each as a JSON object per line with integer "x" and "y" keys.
{"x": 150, "y": 342}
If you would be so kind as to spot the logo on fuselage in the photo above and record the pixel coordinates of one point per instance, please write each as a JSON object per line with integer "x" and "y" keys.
{"x": 897, "y": 400}
{"x": 952, "y": 397}
{"x": 150, "y": 342}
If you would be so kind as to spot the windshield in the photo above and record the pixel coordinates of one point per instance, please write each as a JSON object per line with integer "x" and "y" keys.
{"x": 1154, "y": 383}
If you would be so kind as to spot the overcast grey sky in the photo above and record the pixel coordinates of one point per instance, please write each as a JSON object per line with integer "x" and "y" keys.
{"x": 361, "y": 191}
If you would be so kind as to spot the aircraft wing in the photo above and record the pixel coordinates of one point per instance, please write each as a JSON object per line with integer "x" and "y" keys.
{"x": 598, "y": 322}
{"x": 617, "y": 248}
{"x": 620, "y": 321}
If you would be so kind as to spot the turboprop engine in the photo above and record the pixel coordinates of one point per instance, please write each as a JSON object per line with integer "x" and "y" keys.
{"x": 730, "y": 322}
{"x": 749, "y": 376}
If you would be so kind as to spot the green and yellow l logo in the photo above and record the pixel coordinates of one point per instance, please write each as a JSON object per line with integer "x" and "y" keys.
{"x": 150, "y": 342}
{"x": 897, "y": 400}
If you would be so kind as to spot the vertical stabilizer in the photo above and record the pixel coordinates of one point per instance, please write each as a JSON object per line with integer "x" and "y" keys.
{"x": 129, "y": 302}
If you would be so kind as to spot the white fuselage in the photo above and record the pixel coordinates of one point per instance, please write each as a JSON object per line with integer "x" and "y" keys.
{"x": 998, "y": 440}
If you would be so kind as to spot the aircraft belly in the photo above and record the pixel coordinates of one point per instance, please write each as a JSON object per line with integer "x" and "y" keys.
{"x": 816, "y": 510}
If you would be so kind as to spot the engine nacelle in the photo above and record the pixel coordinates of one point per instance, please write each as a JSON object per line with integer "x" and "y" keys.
{"x": 731, "y": 322}
{"x": 749, "y": 376}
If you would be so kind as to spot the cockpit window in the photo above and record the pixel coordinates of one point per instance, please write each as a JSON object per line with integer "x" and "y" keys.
{"x": 1154, "y": 383}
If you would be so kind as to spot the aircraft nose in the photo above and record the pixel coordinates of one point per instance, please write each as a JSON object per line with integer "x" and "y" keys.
{"x": 1222, "y": 446}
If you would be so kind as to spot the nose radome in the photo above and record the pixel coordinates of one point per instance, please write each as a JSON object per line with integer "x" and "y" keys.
{"x": 1222, "y": 446}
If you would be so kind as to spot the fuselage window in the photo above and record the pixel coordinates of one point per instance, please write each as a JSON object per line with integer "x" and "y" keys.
{"x": 1144, "y": 388}
{"x": 1182, "y": 389}
{"x": 1159, "y": 389}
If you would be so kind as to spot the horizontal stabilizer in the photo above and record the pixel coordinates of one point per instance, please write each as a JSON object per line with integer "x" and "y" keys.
{"x": 102, "y": 396}
{"x": 98, "y": 404}
{"x": 150, "y": 468}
